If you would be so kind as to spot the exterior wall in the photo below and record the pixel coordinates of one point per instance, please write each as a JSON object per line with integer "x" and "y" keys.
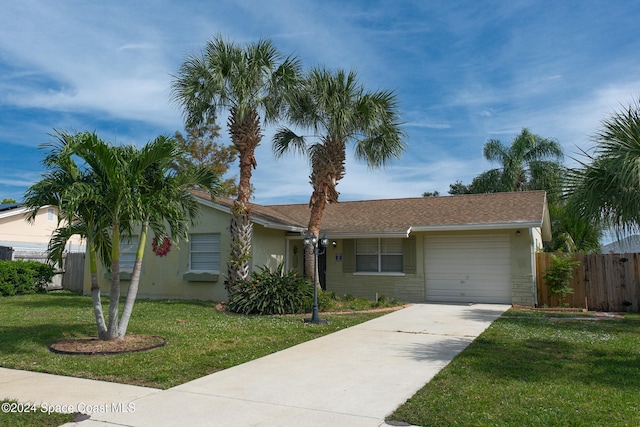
{"x": 164, "y": 277}
{"x": 412, "y": 287}
{"x": 16, "y": 229}
{"x": 268, "y": 248}
{"x": 523, "y": 265}
{"x": 402, "y": 286}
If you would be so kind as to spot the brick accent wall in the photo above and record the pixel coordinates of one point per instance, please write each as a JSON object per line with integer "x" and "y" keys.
{"x": 522, "y": 289}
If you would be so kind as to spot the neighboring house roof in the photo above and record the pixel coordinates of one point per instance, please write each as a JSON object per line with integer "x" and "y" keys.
{"x": 8, "y": 206}
{"x": 12, "y": 209}
{"x": 400, "y": 217}
{"x": 627, "y": 245}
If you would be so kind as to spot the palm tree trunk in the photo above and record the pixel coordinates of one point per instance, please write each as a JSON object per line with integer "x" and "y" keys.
{"x": 318, "y": 203}
{"x": 114, "y": 294}
{"x": 95, "y": 293}
{"x": 241, "y": 231}
{"x": 246, "y": 136}
{"x": 132, "y": 293}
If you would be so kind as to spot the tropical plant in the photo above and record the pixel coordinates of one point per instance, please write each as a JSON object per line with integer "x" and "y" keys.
{"x": 571, "y": 232}
{"x": 529, "y": 163}
{"x": 72, "y": 189}
{"x": 559, "y": 274}
{"x": 8, "y": 201}
{"x": 605, "y": 189}
{"x": 272, "y": 292}
{"x": 338, "y": 110}
{"x": 117, "y": 189}
{"x": 245, "y": 81}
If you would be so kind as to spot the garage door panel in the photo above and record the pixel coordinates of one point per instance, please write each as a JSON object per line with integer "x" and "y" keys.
{"x": 468, "y": 269}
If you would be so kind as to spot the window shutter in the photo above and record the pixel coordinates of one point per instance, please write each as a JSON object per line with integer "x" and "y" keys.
{"x": 348, "y": 256}
{"x": 409, "y": 255}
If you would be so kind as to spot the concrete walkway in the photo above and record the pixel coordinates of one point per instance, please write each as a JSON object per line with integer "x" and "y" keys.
{"x": 354, "y": 377}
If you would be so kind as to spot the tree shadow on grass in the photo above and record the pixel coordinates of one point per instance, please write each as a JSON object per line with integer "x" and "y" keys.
{"x": 17, "y": 339}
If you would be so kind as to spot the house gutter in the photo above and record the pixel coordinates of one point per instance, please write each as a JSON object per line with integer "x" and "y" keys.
{"x": 476, "y": 227}
{"x": 18, "y": 211}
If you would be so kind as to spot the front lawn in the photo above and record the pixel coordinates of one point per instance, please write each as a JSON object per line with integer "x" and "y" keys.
{"x": 201, "y": 339}
{"x": 538, "y": 369}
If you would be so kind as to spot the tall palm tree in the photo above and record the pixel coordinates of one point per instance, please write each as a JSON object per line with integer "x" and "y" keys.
{"x": 605, "y": 187}
{"x": 119, "y": 189}
{"x": 529, "y": 163}
{"x": 338, "y": 111}
{"x": 246, "y": 81}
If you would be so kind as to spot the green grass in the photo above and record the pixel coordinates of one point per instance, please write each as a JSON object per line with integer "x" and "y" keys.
{"x": 201, "y": 339}
{"x": 26, "y": 415}
{"x": 538, "y": 369}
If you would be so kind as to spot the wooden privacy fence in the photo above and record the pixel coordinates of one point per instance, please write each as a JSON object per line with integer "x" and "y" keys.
{"x": 607, "y": 282}
{"x": 73, "y": 277}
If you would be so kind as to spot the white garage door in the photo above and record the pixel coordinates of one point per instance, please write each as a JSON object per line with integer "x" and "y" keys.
{"x": 468, "y": 269}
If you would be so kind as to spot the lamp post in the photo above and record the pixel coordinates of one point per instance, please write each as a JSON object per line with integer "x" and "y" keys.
{"x": 319, "y": 247}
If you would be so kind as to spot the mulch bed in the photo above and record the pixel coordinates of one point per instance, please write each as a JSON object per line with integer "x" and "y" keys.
{"x": 95, "y": 346}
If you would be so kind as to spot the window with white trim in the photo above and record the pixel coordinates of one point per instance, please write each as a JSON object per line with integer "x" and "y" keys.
{"x": 51, "y": 214}
{"x": 204, "y": 252}
{"x": 379, "y": 255}
{"x": 128, "y": 249}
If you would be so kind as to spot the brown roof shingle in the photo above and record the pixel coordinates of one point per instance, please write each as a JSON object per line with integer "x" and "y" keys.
{"x": 399, "y": 216}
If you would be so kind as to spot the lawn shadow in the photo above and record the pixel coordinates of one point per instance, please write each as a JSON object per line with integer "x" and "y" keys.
{"x": 15, "y": 339}
{"x": 478, "y": 314}
{"x": 442, "y": 350}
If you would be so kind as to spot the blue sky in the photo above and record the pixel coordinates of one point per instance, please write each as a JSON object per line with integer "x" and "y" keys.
{"x": 464, "y": 71}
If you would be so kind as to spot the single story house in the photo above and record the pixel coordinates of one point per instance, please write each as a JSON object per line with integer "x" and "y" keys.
{"x": 22, "y": 236}
{"x": 466, "y": 248}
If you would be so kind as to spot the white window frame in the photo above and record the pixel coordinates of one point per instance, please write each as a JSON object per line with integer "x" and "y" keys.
{"x": 215, "y": 252}
{"x": 379, "y": 255}
{"x": 128, "y": 251}
{"x": 51, "y": 214}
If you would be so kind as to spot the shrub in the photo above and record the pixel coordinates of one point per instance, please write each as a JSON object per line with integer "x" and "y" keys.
{"x": 559, "y": 274}
{"x": 24, "y": 277}
{"x": 272, "y": 292}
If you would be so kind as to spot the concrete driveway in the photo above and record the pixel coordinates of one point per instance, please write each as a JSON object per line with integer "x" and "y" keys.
{"x": 354, "y": 377}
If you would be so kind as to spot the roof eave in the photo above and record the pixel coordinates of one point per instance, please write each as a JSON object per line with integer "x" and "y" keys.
{"x": 254, "y": 218}
{"x": 17, "y": 211}
{"x": 483, "y": 226}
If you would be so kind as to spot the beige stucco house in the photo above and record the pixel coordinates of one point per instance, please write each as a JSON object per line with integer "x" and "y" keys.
{"x": 467, "y": 248}
{"x": 17, "y": 233}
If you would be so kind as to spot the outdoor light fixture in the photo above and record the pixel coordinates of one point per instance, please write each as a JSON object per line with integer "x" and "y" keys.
{"x": 319, "y": 246}
{"x": 517, "y": 232}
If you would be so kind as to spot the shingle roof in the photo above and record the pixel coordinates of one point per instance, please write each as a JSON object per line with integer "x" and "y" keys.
{"x": 400, "y": 216}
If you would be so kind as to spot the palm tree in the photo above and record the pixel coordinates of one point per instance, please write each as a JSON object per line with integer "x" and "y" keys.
{"x": 118, "y": 189}
{"x": 605, "y": 188}
{"x": 529, "y": 163}
{"x": 70, "y": 188}
{"x": 164, "y": 202}
{"x": 338, "y": 110}
{"x": 245, "y": 81}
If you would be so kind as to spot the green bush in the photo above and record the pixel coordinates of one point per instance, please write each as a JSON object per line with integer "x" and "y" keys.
{"x": 24, "y": 277}
{"x": 559, "y": 274}
{"x": 272, "y": 292}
